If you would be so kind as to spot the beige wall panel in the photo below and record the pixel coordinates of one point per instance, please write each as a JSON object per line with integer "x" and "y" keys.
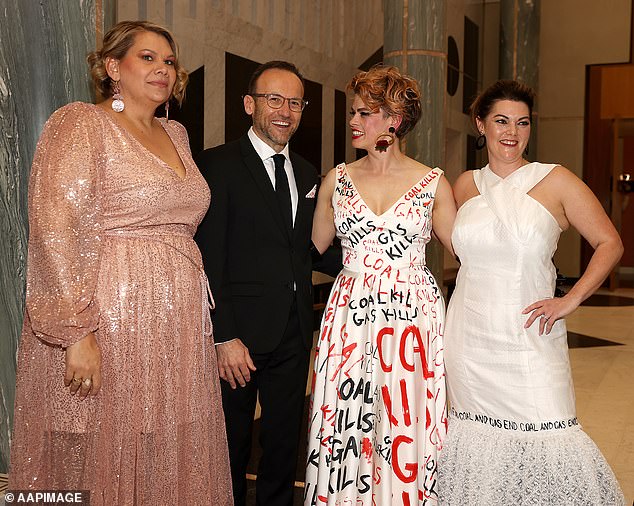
{"x": 156, "y": 11}
{"x": 327, "y": 128}
{"x": 215, "y": 97}
{"x": 575, "y": 33}
{"x": 246, "y": 10}
{"x": 325, "y": 46}
{"x": 191, "y": 43}
{"x": 561, "y": 141}
{"x": 455, "y": 155}
{"x": 127, "y": 10}
{"x": 491, "y": 43}
{"x": 181, "y": 10}
{"x": 278, "y": 19}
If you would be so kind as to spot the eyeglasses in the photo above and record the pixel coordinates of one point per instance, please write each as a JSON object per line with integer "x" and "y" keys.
{"x": 276, "y": 101}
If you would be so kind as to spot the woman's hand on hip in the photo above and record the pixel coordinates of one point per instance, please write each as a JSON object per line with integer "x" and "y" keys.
{"x": 549, "y": 311}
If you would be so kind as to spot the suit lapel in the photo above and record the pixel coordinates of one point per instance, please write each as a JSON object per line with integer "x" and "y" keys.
{"x": 305, "y": 182}
{"x": 261, "y": 178}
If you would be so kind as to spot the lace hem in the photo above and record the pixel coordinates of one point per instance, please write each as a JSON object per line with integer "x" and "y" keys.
{"x": 489, "y": 467}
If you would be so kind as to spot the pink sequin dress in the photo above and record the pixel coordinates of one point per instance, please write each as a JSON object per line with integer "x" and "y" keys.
{"x": 111, "y": 252}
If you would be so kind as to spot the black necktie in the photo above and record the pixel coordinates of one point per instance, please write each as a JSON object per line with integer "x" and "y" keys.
{"x": 282, "y": 190}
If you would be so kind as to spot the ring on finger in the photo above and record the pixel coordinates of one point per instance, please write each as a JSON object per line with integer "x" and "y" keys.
{"x": 87, "y": 382}
{"x": 76, "y": 381}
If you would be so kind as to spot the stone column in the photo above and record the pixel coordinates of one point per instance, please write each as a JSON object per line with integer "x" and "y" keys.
{"x": 415, "y": 41}
{"x": 42, "y": 67}
{"x": 519, "y": 49}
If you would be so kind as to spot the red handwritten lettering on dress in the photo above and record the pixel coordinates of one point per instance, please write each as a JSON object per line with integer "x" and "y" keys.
{"x": 409, "y": 212}
{"x": 406, "y": 414}
{"x": 351, "y": 255}
{"x": 379, "y": 344}
{"x": 387, "y": 402}
{"x": 357, "y": 204}
{"x": 346, "y": 353}
{"x": 385, "y": 271}
{"x": 411, "y": 468}
{"x": 418, "y": 348}
{"x": 366, "y": 448}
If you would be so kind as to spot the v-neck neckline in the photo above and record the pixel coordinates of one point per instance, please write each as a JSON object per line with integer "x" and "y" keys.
{"x": 146, "y": 150}
{"x": 354, "y": 186}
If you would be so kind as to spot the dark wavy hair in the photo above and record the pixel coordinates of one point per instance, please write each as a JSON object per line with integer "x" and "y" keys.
{"x": 501, "y": 90}
{"x": 117, "y": 42}
{"x": 384, "y": 87}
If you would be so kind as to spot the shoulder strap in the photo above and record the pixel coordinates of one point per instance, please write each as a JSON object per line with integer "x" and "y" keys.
{"x": 431, "y": 179}
{"x": 529, "y": 176}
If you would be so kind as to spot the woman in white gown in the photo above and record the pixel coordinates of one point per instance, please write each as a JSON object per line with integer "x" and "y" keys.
{"x": 513, "y": 436}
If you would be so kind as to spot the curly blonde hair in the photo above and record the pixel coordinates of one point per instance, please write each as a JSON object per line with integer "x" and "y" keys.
{"x": 385, "y": 88}
{"x": 116, "y": 44}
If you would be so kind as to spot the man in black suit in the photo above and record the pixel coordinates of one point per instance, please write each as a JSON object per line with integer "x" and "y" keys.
{"x": 255, "y": 242}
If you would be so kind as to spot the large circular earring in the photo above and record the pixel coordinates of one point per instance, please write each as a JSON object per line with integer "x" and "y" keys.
{"x": 481, "y": 141}
{"x": 117, "y": 100}
{"x": 385, "y": 140}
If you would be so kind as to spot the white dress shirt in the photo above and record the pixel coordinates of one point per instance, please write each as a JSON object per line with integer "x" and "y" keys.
{"x": 266, "y": 152}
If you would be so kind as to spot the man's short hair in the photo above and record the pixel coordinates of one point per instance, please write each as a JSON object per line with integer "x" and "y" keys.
{"x": 275, "y": 64}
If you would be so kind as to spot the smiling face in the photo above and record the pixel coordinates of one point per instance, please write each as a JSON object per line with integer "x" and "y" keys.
{"x": 146, "y": 73}
{"x": 367, "y": 125}
{"x": 275, "y": 126}
{"x": 507, "y": 129}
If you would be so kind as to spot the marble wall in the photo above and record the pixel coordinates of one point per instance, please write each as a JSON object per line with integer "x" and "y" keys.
{"x": 326, "y": 39}
{"x": 42, "y": 67}
{"x": 415, "y": 34}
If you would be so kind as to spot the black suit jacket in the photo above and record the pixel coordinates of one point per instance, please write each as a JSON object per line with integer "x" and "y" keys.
{"x": 252, "y": 261}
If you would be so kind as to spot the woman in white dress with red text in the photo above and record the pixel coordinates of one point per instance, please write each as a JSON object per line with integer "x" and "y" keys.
{"x": 378, "y": 405}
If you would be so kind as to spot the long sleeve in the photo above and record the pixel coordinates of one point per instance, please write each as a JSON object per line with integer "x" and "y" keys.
{"x": 212, "y": 241}
{"x": 65, "y": 229}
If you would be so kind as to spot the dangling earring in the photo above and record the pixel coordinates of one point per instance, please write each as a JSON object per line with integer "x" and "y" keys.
{"x": 385, "y": 140}
{"x": 481, "y": 141}
{"x": 167, "y": 110}
{"x": 117, "y": 100}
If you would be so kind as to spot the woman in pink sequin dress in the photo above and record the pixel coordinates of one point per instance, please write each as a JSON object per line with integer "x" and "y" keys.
{"x": 378, "y": 415}
{"x": 117, "y": 387}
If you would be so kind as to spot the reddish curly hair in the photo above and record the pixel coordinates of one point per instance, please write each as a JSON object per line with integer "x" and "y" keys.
{"x": 385, "y": 88}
